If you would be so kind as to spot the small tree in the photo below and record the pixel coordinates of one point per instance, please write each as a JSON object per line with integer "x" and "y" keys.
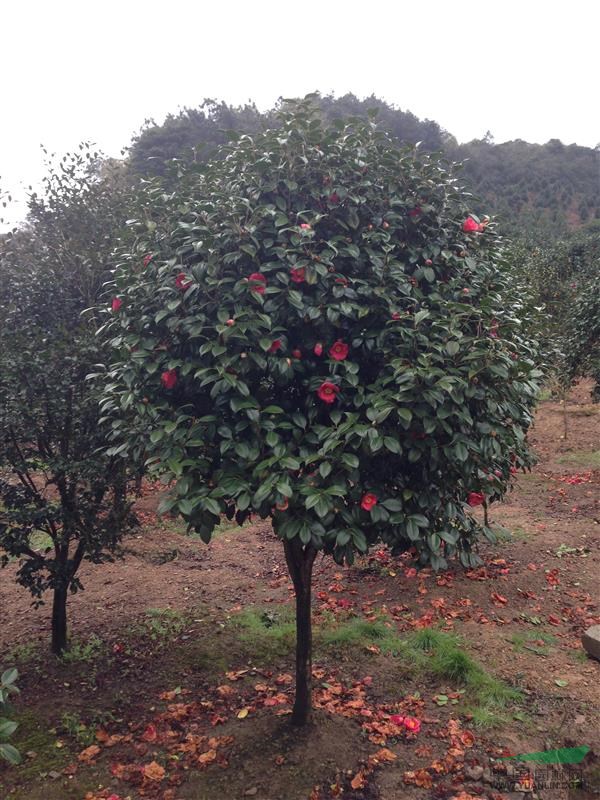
{"x": 582, "y": 337}
{"x": 321, "y": 339}
{"x": 62, "y": 500}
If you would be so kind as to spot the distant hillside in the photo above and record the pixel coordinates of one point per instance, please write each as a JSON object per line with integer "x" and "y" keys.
{"x": 553, "y": 187}
{"x": 553, "y": 182}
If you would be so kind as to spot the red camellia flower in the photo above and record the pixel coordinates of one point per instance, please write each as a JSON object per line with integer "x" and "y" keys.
{"x": 412, "y": 724}
{"x": 475, "y": 498}
{"x": 116, "y": 303}
{"x": 261, "y": 282}
{"x": 328, "y": 391}
{"x": 298, "y": 274}
{"x": 318, "y": 349}
{"x": 414, "y": 212}
{"x": 396, "y": 315}
{"x": 182, "y": 282}
{"x": 339, "y": 350}
{"x": 470, "y": 226}
{"x": 147, "y": 259}
{"x": 397, "y": 719}
{"x": 305, "y": 226}
{"x": 428, "y": 262}
{"x": 275, "y": 346}
{"x": 169, "y": 378}
{"x": 368, "y": 501}
{"x": 297, "y": 353}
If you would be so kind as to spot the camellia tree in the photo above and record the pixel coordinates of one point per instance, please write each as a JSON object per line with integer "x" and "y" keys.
{"x": 321, "y": 339}
{"x": 62, "y": 499}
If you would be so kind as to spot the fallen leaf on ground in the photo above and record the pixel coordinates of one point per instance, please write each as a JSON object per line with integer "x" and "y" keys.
{"x": 89, "y": 753}
{"x": 154, "y": 771}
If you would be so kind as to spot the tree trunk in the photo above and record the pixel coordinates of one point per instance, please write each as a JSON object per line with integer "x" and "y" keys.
{"x": 59, "y": 620}
{"x": 300, "y": 560}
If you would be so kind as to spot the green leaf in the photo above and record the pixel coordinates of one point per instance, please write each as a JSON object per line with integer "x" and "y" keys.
{"x": 7, "y": 727}
{"x": 213, "y": 506}
{"x": 273, "y": 410}
{"x": 393, "y": 505}
{"x": 10, "y": 753}
{"x": 325, "y": 469}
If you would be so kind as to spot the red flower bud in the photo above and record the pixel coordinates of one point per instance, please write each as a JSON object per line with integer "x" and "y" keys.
{"x": 475, "y": 498}
{"x": 275, "y": 346}
{"x": 260, "y": 282}
{"x": 298, "y": 274}
{"x": 116, "y": 303}
{"x": 182, "y": 282}
{"x": 470, "y": 226}
{"x": 169, "y": 378}
{"x": 318, "y": 349}
{"x": 368, "y": 501}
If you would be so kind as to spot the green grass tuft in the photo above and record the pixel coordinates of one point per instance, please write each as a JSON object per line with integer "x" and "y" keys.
{"x": 268, "y": 634}
{"x": 582, "y": 458}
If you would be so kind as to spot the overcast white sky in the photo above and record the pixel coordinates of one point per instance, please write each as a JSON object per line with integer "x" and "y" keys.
{"x": 95, "y": 69}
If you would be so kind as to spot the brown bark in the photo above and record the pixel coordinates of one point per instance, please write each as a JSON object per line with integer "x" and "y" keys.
{"x": 59, "y": 620}
{"x": 300, "y": 559}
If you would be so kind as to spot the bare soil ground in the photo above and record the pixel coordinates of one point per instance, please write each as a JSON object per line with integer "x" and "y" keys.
{"x": 178, "y": 683}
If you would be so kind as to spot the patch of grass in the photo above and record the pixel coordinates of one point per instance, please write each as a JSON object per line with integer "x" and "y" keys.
{"x": 268, "y": 634}
{"x": 544, "y": 395}
{"x": 81, "y": 732}
{"x": 163, "y": 624}
{"x": 74, "y": 727}
{"x": 34, "y": 736}
{"x": 579, "y": 656}
{"x": 582, "y": 458}
{"x": 83, "y": 652}
{"x": 528, "y": 640}
{"x": 357, "y": 632}
{"x": 22, "y": 654}
{"x": 443, "y": 656}
{"x": 505, "y": 536}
